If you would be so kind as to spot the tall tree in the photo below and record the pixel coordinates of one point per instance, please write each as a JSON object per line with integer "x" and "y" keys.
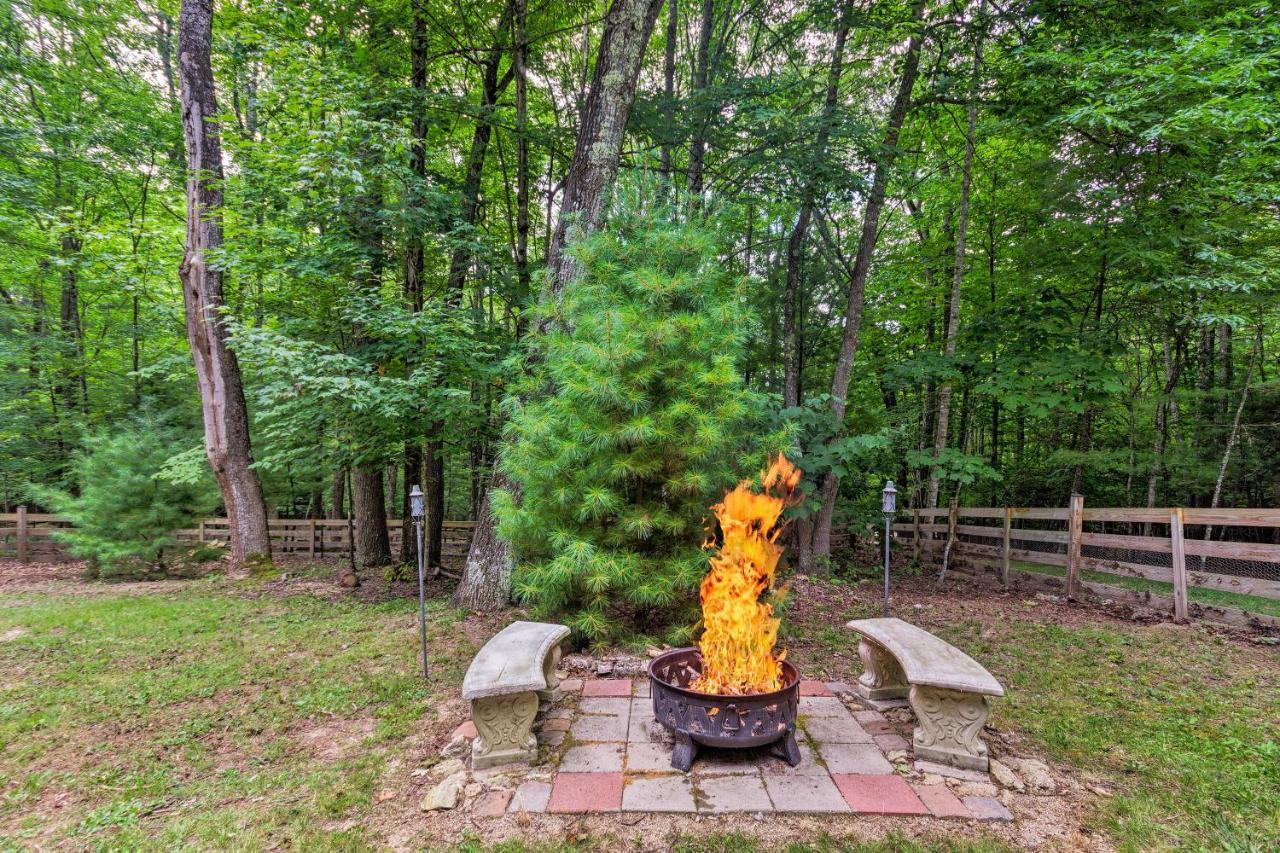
{"x": 226, "y": 417}
{"x": 486, "y": 580}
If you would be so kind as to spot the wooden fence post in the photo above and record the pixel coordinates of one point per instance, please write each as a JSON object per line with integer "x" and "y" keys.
{"x": 1179, "y": 566}
{"x": 311, "y": 550}
{"x": 22, "y": 533}
{"x": 201, "y": 531}
{"x": 1075, "y": 525}
{"x": 1004, "y": 554}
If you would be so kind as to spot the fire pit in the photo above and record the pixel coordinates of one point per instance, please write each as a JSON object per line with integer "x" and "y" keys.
{"x": 721, "y": 721}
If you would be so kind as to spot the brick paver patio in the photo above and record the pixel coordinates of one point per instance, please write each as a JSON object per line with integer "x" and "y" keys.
{"x": 614, "y": 757}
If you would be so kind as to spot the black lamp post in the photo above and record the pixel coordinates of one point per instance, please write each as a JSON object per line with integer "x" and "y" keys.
{"x": 417, "y": 508}
{"x": 888, "y": 505}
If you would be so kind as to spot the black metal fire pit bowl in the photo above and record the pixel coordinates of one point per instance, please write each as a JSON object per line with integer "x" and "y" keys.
{"x": 734, "y": 722}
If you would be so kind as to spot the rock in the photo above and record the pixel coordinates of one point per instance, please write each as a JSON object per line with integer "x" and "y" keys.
{"x": 898, "y": 715}
{"x": 445, "y": 794}
{"x": 976, "y": 789}
{"x": 1034, "y": 772}
{"x": 896, "y": 756}
{"x": 456, "y": 748}
{"x": 386, "y": 794}
{"x": 1044, "y": 596}
{"x": 604, "y": 668}
{"x": 652, "y": 652}
{"x": 933, "y": 779}
{"x": 1101, "y": 791}
{"x": 1267, "y": 641}
{"x": 448, "y": 767}
{"x": 473, "y": 790}
{"x": 1005, "y": 777}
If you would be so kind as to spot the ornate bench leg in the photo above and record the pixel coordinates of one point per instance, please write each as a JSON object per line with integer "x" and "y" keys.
{"x": 947, "y": 726}
{"x": 883, "y": 682}
{"x": 505, "y": 731}
{"x": 553, "y": 693}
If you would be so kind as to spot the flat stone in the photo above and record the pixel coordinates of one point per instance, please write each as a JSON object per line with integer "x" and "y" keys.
{"x": 578, "y": 793}
{"x": 724, "y": 762}
{"x": 597, "y": 728}
{"x": 642, "y": 706}
{"x": 448, "y": 767}
{"x": 644, "y": 728}
{"x": 606, "y": 687}
{"x": 814, "y": 688}
{"x": 839, "y": 687}
{"x": 642, "y": 688}
{"x": 560, "y": 714}
{"x": 865, "y": 717}
{"x": 771, "y": 765}
{"x": 733, "y": 794}
{"x": 445, "y": 794}
{"x": 550, "y": 738}
{"x": 492, "y": 804}
{"x": 501, "y": 775}
{"x": 593, "y": 758}
{"x": 670, "y": 793}
{"x": 836, "y": 730}
{"x": 874, "y": 729}
{"x": 466, "y": 730}
{"x": 987, "y": 808}
{"x": 512, "y": 661}
{"x": 1004, "y": 776}
{"x": 951, "y": 772}
{"x": 571, "y": 685}
{"x": 940, "y": 801}
{"x": 530, "y": 797}
{"x": 976, "y": 789}
{"x": 1034, "y": 772}
{"x": 805, "y": 794}
{"x": 879, "y": 794}
{"x": 822, "y": 706}
{"x": 457, "y": 748}
{"x": 649, "y": 758}
{"x": 608, "y": 706}
{"x": 892, "y": 743}
{"x": 556, "y": 725}
{"x": 862, "y": 759}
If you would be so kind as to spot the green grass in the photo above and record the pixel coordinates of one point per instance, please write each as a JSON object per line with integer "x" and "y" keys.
{"x": 1199, "y": 595}
{"x": 172, "y": 720}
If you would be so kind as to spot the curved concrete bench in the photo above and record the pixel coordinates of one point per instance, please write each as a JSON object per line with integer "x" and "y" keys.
{"x": 503, "y": 684}
{"x": 947, "y": 689}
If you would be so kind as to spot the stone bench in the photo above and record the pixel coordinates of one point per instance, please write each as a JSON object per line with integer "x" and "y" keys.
{"x": 946, "y": 688}
{"x": 503, "y": 685}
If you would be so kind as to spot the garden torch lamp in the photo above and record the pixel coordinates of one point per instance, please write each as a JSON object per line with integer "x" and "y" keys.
{"x": 417, "y": 508}
{"x": 888, "y": 505}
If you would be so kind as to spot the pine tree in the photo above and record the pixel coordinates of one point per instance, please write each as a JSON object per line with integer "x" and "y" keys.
{"x": 629, "y": 426}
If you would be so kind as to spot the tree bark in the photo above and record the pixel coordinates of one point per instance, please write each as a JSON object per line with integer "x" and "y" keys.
{"x": 523, "y": 276}
{"x": 338, "y": 495}
{"x": 669, "y": 89}
{"x": 368, "y": 506}
{"x": 222, "y": 402}
{"x": 486, "y": 582}
{"x": 791, "y": 378}
{"x": 701, "y": 111}
{"x": 821, "y": 537}
{"x": 942, "y": 423}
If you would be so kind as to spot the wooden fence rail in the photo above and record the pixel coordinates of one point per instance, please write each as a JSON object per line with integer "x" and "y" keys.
{"x": 1076, "y": 538}
{"x": 27, "y": 535}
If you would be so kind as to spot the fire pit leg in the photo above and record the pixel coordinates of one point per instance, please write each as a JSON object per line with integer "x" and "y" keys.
{"x": 787, "y": 749}
{"x": 683, "y": 754}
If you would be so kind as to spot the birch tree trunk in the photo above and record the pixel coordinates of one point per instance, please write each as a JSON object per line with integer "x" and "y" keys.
{"x": 821, "y": 537}
{"x": 222, "y": 403}
{"x": 486, "y": 580}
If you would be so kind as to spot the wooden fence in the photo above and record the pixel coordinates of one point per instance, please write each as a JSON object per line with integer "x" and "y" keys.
{"x": 28, "y": 535}
{"x": 1230, "y": 550}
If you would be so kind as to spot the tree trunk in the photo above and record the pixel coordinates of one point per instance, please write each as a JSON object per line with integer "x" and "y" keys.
{"x": 701, "y": 111}
{"x": 942, "y": 424}
{"x": 486, "y": 582}
{"x": 523, "y": 277}
{"x": 821, "y": 539}
{"x": 368, "y": 506}
{"x": 222, "y": 403}
{"x": 338, "y": 495}
{"x": 669, "y": 90}
{"x": 791, "y": 378}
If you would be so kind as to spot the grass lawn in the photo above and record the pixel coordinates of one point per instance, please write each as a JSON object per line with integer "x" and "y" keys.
{"x": 216, "y": 714}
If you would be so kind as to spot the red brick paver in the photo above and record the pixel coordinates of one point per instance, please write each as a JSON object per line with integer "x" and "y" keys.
{"x": 941, "y": 802}
{"x": 467, "y": 730}
{"x": 577, "y": 793}
{"x": 879, "y": 794}
{"x": 606, "y": 687}
{"x": 814, "y": 688}
{"x": 492, "y": 804}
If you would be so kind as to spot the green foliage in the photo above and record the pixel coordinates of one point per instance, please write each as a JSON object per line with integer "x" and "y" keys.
{"x": 124, "y": 510}
{"x": 627, "y": 429}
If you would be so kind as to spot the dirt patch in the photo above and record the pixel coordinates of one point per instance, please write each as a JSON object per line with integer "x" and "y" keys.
{"x": 333, "y": 739}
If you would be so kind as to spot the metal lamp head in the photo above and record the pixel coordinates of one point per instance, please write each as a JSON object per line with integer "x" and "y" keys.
{"x": 417, "y": 505}
{"x": 889, "y": 499}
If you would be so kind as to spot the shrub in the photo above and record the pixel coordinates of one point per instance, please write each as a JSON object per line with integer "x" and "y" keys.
{"x": 125, "y": 511}
{"x": 631, "y": 423}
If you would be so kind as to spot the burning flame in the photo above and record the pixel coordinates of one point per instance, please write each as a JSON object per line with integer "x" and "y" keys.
{"x": 740, "y": 630}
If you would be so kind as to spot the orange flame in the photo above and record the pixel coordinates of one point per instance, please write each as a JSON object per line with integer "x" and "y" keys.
{"x": 740, "y": 630}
